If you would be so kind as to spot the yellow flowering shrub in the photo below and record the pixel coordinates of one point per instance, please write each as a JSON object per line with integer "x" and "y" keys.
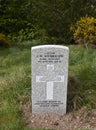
{"x": 85, "y": 30}
{"x": 3, "y": 41}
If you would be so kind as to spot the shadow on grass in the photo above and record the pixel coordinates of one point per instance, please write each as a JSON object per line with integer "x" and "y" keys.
{"x": 82, "y": 88}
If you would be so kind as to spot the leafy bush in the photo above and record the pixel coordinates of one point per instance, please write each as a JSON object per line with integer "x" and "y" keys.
{"x": 29, "y": 34}
{"x": 22, "y": 35}
{"x": 85, "y": 30}
{"x": 4, "y": 41}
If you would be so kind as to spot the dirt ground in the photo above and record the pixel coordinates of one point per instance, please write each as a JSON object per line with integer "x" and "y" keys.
{"x": 82, "y": 119}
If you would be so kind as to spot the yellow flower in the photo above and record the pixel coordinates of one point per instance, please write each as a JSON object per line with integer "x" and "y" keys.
{"x": 85, "y": 29}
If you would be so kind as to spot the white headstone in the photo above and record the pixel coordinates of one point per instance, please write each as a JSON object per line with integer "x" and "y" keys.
{"x": 49, "y": 79}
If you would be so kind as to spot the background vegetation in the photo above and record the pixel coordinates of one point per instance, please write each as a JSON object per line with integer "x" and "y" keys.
{"x": 41, "y": 19}
{"x": 26, "y": 23}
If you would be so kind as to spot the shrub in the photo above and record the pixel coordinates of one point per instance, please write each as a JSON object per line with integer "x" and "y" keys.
{"x": 85, "y": 31}
{"x": 4, "y": 41}
{"x": 22, "y": 35}
{"x": 29, "y": 34}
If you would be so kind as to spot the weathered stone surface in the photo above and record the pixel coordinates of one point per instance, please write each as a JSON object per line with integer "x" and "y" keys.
{"x": 49, "y": 79}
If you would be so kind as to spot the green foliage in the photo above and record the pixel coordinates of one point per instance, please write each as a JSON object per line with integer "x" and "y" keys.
{"x": 13, "y": 16}
{"x": 4, "y": 41}
{"x": 85, "y": 30}
{"x": 22, "y": 35}
{"x": 15, "y": 82}
{"x": 82, "y": 75}
{"x": 14, "y": 87}
{"x": 30, "y": 35}
{"x": 53, "y": 16}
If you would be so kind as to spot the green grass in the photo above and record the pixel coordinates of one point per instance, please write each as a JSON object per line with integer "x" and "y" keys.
{"x": 15, "y": 83}
{"x": 15, "y": 87}
{"x": 82, "y": 78}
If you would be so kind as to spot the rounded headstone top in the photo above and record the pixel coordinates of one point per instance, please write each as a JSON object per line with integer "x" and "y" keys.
{"x": 50, "y": 46}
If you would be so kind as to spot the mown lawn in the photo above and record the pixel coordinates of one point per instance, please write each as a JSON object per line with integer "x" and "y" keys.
{"x": 15, "y": 83}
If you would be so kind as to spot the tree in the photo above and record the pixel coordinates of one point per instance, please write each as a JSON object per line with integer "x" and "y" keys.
{"x": 55, "y": 16}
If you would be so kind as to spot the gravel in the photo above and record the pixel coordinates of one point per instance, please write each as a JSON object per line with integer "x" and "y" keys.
{"x": 81, "y": 119}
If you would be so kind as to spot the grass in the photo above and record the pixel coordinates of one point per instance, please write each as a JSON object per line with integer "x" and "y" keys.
{"x": 15, "y": 83}
{"x": 82, "y": 78}
{"x": 15, "y": 87}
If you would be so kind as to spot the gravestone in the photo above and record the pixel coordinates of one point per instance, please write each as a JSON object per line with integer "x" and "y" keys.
{"x": 49, "y": 79}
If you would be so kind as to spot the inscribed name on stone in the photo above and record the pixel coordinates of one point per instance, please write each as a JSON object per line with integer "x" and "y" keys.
{"x": 49, "y": 79}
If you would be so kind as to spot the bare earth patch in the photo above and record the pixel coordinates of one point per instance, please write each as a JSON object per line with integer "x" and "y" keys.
{"x": 79, "y": 120}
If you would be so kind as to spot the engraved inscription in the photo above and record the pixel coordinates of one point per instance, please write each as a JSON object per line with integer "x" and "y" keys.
{"x": 49, "y": 103}
{"x": 50, "y": 78}
{"x": 49, "y": 57}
